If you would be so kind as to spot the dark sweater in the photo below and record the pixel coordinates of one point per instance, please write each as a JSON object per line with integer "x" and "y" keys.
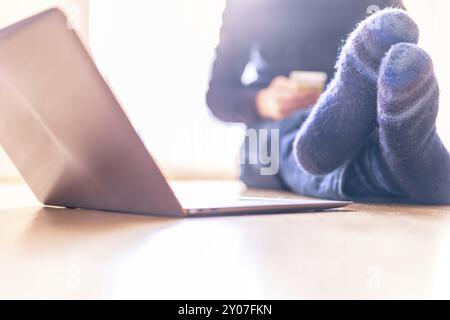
{"x": 277, "y": 37}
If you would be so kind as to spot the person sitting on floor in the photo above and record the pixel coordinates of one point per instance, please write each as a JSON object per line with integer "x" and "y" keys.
{"x": 371, "y": 136}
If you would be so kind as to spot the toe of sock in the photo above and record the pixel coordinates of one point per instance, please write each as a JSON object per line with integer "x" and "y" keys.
{"x": 394, "y": 26}
{"x": 406, "y": 80}
{"x": 404, "y": 65}
{"x": 370, "y": 41}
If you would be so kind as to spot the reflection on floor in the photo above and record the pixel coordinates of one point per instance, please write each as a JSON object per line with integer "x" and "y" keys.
{"x": 362, "y": 252}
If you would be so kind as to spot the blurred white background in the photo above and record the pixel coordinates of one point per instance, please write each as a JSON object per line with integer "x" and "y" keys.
{"x": 157, "y": 56}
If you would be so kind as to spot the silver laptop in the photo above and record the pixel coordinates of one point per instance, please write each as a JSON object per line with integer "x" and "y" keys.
{"x": 72, "y": 142}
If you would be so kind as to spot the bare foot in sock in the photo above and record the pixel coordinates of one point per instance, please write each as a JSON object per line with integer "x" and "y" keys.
{"x": 408, "y": 102}
{"x": 345, "y": 115}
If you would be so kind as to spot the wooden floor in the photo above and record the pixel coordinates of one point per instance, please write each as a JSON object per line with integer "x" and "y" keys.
{"x": 361, "y": 252}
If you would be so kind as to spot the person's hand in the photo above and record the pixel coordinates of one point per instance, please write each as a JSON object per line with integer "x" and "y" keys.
{"x": 282, "y": 98}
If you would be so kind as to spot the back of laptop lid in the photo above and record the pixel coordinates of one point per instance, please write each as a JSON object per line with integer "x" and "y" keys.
{"x": 64, "y": 130}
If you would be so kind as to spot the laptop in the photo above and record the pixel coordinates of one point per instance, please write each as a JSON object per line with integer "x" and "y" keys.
{"x": 71, "y": 141}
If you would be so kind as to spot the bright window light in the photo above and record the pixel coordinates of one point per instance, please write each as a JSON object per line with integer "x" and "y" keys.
{"x": 157, "y": 55}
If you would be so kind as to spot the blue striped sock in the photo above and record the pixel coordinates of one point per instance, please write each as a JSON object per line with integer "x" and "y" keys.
{"x": 408, "y": 103}
{"x": 345, "y": 115}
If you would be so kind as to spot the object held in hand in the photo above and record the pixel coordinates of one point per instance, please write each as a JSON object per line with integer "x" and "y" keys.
{"x": 309, "y": 80}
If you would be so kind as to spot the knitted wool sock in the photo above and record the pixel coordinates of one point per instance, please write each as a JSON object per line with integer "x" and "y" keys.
{"x": 408, "y": 102}
{"x": 345, "y": 115}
